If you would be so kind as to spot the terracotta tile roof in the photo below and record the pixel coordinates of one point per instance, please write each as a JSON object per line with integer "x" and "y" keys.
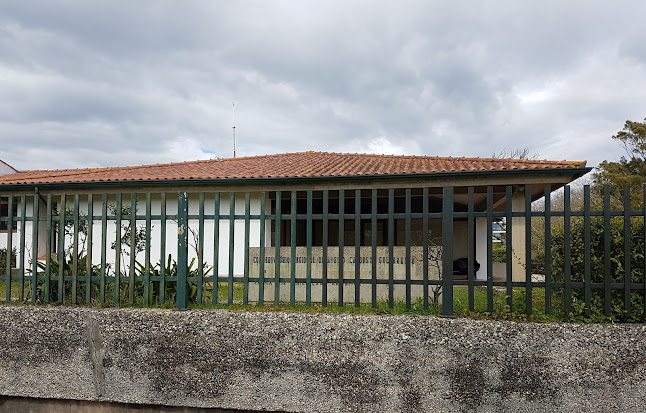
{"x": 288, "y": 165}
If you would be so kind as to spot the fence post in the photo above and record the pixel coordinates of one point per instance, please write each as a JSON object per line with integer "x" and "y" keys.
{"x": 182, "y": 248}
{"x": 447, "y": 250}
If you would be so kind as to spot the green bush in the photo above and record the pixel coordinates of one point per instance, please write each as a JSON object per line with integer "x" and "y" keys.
{"x": 499, "y": 254}
{"x": 3, "y": 259}
{"x": 617, "y": 262}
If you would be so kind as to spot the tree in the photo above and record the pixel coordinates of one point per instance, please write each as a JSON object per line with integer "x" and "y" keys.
{"x": 629, "y": 170}
{"x": 518, "y": 153}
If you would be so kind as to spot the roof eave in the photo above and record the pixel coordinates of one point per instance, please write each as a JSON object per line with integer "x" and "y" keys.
{"x": 575, "y": 172}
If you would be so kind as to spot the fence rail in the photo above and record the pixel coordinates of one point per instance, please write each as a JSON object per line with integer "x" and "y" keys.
{"x": 332, "y": 246}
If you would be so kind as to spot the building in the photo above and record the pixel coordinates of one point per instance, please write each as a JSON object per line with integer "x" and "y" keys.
{"x": 326, "y": 200}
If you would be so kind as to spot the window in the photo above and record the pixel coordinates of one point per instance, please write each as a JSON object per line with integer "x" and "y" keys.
{"x": 4, "y": 213}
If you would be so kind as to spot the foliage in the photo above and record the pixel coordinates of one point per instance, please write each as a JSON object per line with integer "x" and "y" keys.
{"x": 3, "y": 259}
{"x": 169, "y": 293}
{"x": 499, "y": 255}
{"x": 617, "y": 262}
{"x": 630, "y": 170}
{"x": 127, "y": 231}
{"x": 67, "y": 267}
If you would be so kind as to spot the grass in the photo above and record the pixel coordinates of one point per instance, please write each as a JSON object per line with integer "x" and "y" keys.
{"x": 501, "y": 310}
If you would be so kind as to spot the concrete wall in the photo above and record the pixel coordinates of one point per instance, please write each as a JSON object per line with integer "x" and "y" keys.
{"x": 319, "y": 362}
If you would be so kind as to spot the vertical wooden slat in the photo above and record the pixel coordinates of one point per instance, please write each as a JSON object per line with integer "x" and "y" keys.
{"x": 607, "y": 237}
{"x": 292, "y": 260}
{"x": 425, "y": 239}
{"x": 232, "y": 222}
{"x": 447, "y": 250}
{"x": 357, "y": 247}
{"x": 162, "y": 249}
{"x": 9, "y": 251}
{"x": 34, "y": 243}
{"x": 60, "y": 255}
{"x": 373, "y": 244}
{"x": 147, "y": 249}
{"x": 509, "y": 243}
{"x": 471, "y": 241}
{"x": 627, "y": 253}
{"x": 489, "y": 249}
{"x": 325, "y": 242}
{"x": 308, "y": 268}
{"x": 133, "y": 245}
{"x": 104, "y": 240}
{"x": 528, "y": 250}
{"x": 23, "y": 220}
{"x": 548, "y": 250}
{"x": 117, "y": 259}
{"x": 90, "y": 243}
{"x": 391, "y": 245}
{"x": 341, "y": 244}
{"x": 200, "y": 249}
{"x": 216, "y": 247}
{"x": 407, "y": 230}
{"x": 277, "y": 249}
{"x": 567, "y": 254}
{"x": 48, "y": 247}
{"x": 182, "y": 249}
{"x": 247, "y": 222}
{"x": 75, "y": 249}
{"x": 261, "y": 270}
{"x": 587, "y": 272}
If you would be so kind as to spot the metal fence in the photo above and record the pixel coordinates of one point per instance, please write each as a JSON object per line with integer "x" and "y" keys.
{"x": 325, "y": 247}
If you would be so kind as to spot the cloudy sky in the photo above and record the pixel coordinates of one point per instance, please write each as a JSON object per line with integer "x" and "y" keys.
{"x": 88, "y": 84}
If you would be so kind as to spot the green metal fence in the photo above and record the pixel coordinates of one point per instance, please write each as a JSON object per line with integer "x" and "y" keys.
{"x": 122, "y": 248}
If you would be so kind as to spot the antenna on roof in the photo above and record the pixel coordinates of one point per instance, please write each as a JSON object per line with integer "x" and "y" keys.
{"x": 233, "y": 104}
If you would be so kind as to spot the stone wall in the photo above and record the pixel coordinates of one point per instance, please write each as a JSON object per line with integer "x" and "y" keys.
{"x": 281, "y": 361}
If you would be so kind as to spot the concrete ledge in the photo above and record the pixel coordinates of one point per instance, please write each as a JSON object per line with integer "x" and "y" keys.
{"x": 318, "y": 362}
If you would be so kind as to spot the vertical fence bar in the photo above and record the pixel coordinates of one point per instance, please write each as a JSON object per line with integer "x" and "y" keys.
{"x": 607, "y": 236}
{"x": 325, "y": 242}
{"x": 200, "y": 248}
{"x": 391, "y": 244}
{"x": 133, "y": 246}
{"x": 75, "y": 250}
{"x": 407, "y": 230}
{"x": 471, "y": 241}
{"x": 162, "y": 249}
{"x": 88, "y": 257}
{"x": 489, "y": 249}
{"x": 373, "y": 244}
{"x": 279, "y": 202}
{"x": 216, "y": 247}
{"x": 627, "y": 252}
{"x": 425, "y": 239}
{"x": 308, "y": 268}
{"x": 182, "y": 248}
{"x": 117, "y": 250}
{"x": 292, "y": 261}
{"x": 567, "y": 254}
{"x": 261, "y": 270}
{"x": 34, "y": 243}
{"x": 357, "y": 247}
{"x": 9, "y": 250}
{"x": 104, "y": 239}
{"x": 528, "y": 249}
{"x": 60, "y": 255}
{"x": 341, "y": 243}
{"x": 587, "y": 272}
{"x": 509, "y": 244}
{"x": 147, "y": 249}
{"x": 232, "y": 224}
{"x": 23, "y": 220}
{"x": 447, "y": 250}
{"x": 548, "y": 250}
{"x": 48, "y": 248}
{"x": 247, "y": 222}
{"x": 644, "y": 268}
